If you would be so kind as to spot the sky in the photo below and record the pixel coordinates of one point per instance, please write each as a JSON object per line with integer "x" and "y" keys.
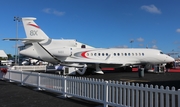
{"x": 99, "y": 23}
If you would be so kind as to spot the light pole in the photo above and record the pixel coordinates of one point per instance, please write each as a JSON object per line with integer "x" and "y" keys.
{"x": 17, "y": 19}
{"x": 131, "y": 42}
{"x": 173, "y": 53}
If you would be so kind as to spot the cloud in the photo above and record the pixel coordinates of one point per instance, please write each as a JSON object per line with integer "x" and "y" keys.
{"x": 154, "y": 47}
{"x": 124, "y": 46}
{"x": 151, "y": 9}
{"x": 154, "y": 42}
{"x": 141, "y": 45}
{"x": 53, "y": 11}
{"x": 140, "y": 39}
{"x": 178, "y": 30}
{"x": 47, "y": 10}
{"x": 176, "y": 42}
{"x": 58, "y": 13}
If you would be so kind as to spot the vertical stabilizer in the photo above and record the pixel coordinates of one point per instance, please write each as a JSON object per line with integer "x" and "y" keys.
{"x": 32, "y": 30}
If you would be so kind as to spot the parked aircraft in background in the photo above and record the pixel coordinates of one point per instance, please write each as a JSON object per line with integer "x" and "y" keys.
{"x": 73, "y": 53}
{"x": 5, "y": 61}
{"x": 31, "y": 61}
{"x": 3, "y": 54}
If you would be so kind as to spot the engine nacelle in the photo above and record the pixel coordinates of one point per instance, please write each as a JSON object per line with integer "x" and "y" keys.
{"x": 60, "y": 52}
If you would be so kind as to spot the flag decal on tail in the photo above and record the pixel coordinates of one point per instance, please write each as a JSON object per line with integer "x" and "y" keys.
{"x": 34, "y": 25}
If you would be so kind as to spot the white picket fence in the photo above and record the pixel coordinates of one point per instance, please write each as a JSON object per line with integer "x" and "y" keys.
{"x": 112, "y": 93}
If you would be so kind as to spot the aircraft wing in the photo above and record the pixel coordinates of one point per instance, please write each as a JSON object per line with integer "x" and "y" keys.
{"x": 24, "y": 39}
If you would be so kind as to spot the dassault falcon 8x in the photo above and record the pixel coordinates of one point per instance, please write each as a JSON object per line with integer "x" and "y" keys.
{"x": 69, "y": 52}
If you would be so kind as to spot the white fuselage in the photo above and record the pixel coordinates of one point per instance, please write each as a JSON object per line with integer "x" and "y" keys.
{"x": 111, "y": 57}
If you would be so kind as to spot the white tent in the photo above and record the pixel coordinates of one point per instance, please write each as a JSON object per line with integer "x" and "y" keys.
{"x": 3, "y": 54}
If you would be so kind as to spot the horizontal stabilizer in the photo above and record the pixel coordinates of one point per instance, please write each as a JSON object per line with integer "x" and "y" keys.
{"x": 24, "y": 39}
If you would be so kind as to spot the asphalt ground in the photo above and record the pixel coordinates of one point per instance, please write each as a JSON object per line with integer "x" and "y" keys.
{"x": 161, "y": 79}
{"x": 12, "y": 95}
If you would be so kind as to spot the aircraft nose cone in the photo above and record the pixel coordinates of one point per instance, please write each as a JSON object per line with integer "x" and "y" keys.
{"x": 170, "y": 59}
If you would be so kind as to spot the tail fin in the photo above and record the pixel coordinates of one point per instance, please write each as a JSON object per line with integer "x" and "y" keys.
{"x": 32, "y": 30}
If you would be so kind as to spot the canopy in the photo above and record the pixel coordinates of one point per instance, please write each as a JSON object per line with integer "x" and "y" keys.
{"x": 3, "y": 54}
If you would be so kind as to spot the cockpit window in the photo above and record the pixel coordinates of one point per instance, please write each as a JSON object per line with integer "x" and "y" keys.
{"x": 161, "y": 53}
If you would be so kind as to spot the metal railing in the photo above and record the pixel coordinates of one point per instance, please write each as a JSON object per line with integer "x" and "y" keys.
{"x": 29, "y": 68}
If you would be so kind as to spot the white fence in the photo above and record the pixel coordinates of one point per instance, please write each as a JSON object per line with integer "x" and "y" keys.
{"x": 112, "y": 93}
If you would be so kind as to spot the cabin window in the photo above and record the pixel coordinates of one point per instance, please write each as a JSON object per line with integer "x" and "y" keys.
{"x": 139, "y": 54}
{"x": 94, "y": 54}
{"x": 106, "y": 54}
{"x": 118, "y": 54}
{"x": 87, "y": 54}
{"x": 142, "y": 54}
{"x": 129, "y": 54}
{"x": 121, "y": 54}
{"x": 91, "y": 54}
{"x": 136, "y": 54}
{"x": 99, "y": 54}
{"x": 102, "y": 54}
{"x": 114, "y": 54}
{"x": 132, "y": 54}
{"x": 125, "y": 54}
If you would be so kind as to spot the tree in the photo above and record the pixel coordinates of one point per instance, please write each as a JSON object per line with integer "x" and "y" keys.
{"x": 9, "y": 56}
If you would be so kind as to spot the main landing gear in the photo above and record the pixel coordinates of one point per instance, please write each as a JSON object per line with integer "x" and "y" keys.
{"x": 98, "y": 70}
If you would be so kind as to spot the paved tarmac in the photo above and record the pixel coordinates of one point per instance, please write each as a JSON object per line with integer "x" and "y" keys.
{"x": 12, "y": 95}
{"x": 164, "y": 79}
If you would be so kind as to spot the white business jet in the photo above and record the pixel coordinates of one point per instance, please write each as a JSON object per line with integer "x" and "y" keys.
{"x": 73, "y": 53}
